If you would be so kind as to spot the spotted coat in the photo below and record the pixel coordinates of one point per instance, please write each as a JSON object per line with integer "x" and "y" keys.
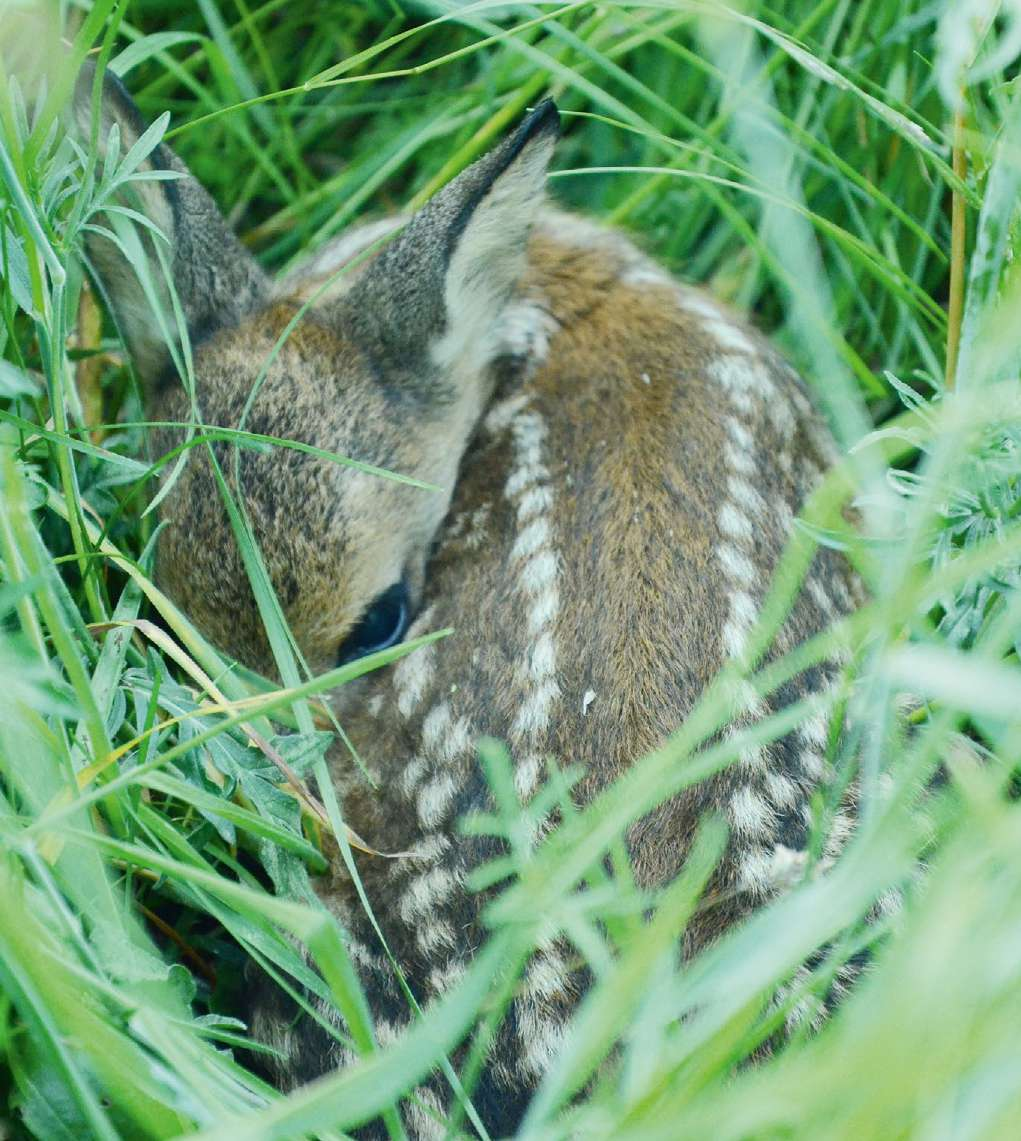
{"x": 618, "y": 462}
{"x": 614, "y": 525}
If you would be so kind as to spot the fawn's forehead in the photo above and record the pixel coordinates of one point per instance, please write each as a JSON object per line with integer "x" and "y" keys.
{"x": 288, "y": 374}
{"x": 289, "y": 359}
{"x": 285, "y": 332}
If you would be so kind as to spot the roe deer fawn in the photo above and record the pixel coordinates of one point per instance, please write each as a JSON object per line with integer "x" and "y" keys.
{"x": 621, "y": 461}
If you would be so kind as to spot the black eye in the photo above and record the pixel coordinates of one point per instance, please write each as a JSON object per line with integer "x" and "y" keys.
{"x": 381, "y": 626}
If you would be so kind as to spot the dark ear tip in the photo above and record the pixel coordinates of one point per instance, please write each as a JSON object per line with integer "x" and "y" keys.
{"x": 542, "y": 122}
{"x": 543, "y": 119}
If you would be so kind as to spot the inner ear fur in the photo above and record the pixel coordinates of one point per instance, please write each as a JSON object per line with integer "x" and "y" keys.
{"x": 437, "y": 290}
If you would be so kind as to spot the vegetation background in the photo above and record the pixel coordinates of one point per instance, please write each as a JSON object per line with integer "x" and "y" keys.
{"x": 846, "y": 170}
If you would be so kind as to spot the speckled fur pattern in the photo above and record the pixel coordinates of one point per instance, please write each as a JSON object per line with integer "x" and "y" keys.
{"x": 621, "y": 461}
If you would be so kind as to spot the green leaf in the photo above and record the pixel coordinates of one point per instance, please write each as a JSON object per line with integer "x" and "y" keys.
{"x": 148, "y": 46}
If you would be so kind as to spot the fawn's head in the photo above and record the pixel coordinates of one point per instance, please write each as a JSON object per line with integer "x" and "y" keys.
{"x": 391, "y": 368}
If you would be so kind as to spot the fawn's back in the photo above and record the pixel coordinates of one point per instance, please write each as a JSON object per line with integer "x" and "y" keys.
{"x": 619, "y": 462}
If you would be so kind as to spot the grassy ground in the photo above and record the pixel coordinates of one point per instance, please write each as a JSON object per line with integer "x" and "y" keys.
{"x": 798, "y": 157}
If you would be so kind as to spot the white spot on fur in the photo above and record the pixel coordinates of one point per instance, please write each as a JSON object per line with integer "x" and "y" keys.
{"x": 744, "y": 495}
{"x": 412, "y": 776}
{"x": 587, "y": 698}
{"x": 843, "y": 593}
{"x": 808, "y": 1009}
{"x": 446, "y": 738}
{"x": 890, "y": 903}
{"x": 547, "y": 976}
{"x": 781, "y": 414}
{"x": 533, "y": 538}
{"x": 748, "y": 701}
{"x": 539, "y": 572}
{"x": 435, "y": 935}
{"x": 743, "y": 612}
{"x": 429, "y": 849}
{"x": 739, "y": 459}
{"x": 534, "y": 713}
{"x": 526, "y": 328}
{"x": 426, "y": 1115}
{"x": 739, "y": 434}
{"x": 534, "y": 501}
{"x": 744, "y": 502}
{"x": 788, "y": 867}
{"x": 819, "y": 595}
{"x": 781, "y": 790}
{"x": 736, "y": 563}
{"x": 436, "y": 798}
{"x": 544, "y": 657}
{"x": 436, "y": 725}
{"x": 749, "y": 812}
{"x": 387, "y": 1033}
{"x": 427, "y": 892}
{"x": 744, "y": 377}
{"x": 361, "y": 956}
{"x": 752, "y": 757}
{"x": 646, "y": 275}
{"x": 699, "y": 305}
{"x": 529, "y": 430}
{"x": 524, "y": 476}
{"x": 812, "y": 764}
{"x": 814, "y": 730}
{"x": 729, "y": 337}
{"x": 544, "y": 610}
{"x": 526, "y": 777}
{"x": 444, "y": 978}
{"x": 540, "y": 1035}
{"x": 501, "y": 414}
{"x": 755, "y": 870}
{"x": 734, "y": 523}
{"x": 742, "y": 401}
{"x": 413, "y": 674}
{"x": 840, "y": 832}
{"x": 469, "y": 528}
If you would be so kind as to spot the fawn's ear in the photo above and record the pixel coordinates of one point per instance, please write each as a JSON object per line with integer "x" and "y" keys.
{"x": 215, "y": 280}
{"x": 439, "y": 287}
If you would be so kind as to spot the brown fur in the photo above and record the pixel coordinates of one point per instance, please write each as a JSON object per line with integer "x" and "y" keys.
{"x": 593, "y": 387}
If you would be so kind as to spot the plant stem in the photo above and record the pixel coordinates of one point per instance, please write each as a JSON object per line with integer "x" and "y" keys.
{"x": 958, "y": 236}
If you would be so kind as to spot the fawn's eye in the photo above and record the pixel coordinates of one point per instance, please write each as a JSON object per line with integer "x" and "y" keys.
{"x": 380, "y": 627}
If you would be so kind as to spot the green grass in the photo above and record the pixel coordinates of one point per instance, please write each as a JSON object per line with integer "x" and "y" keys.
{"x": 794, "y": 157}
